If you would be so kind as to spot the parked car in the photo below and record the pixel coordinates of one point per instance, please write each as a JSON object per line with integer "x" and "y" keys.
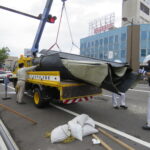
{"x": 9, "y": 73}
{"x": 3, "y": 74}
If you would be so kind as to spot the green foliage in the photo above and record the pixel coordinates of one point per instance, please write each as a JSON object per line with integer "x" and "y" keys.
{"x": 4, "y": 53}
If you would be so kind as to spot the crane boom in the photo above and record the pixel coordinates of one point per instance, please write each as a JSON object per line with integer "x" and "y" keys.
{"x": 41, "y": 26}
{"x": 43, "y": 21}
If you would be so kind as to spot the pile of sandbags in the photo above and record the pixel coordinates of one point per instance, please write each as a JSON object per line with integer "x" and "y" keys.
{"x": 78, "y": 128}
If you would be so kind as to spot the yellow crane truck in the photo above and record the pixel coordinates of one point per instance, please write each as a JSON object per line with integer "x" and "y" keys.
{"x": 48, "y": 86}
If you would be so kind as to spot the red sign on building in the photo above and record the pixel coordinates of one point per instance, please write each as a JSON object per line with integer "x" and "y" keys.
{"x": 103, "y": 28}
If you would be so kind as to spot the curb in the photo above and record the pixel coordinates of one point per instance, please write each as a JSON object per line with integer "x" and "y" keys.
{"x": 7, "y": 142}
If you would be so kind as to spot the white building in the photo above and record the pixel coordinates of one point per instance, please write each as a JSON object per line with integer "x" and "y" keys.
{"x": 136, "y": 11}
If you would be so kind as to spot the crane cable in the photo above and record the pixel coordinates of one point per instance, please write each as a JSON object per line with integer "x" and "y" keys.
{"x": 63, "y": 6}
{"x": 73, "y": 44}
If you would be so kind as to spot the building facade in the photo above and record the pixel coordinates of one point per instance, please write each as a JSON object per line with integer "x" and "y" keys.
{"x": 130, "y": 44}
{"x": 137, "y": 11}
{"x": 9, "y": 62}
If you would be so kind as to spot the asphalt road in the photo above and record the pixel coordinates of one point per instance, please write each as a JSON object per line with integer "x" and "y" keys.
{"x": 123, "y": 124}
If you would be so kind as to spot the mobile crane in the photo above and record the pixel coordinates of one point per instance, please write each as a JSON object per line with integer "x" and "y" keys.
{"x": 48, "y": 86}
{"x": 57, "y": 84}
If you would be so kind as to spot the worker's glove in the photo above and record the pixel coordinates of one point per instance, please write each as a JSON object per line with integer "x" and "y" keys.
{"x": 142, "y": 71}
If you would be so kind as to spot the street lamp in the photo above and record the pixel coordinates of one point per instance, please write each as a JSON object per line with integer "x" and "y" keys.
{"x": 131, "y": 47}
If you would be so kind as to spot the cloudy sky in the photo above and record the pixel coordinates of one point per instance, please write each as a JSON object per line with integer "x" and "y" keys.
{"x": 17, "y": 32}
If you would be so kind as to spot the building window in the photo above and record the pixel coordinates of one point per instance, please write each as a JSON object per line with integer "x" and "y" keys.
{"x": 123, "y": 54}
{"x": 92, "y": 43}
{"x": 143, "y": 52}
{"x": 149, "y": 35}
{"x": 88, "y": 44}
{"x": 81, "y": 46}
{"x": 148, "y": 45}
{"x": 148, "y": 51}
{"x": 92, "y": 53}
{"x": 143, "y": 44}
{"x": 105, "y": 55}
{"x": 96, "y": 43}
{"x": 105, "y": 47}
{"x": 116, "y": 47}
{"x": 144, "y": 8}
{"x": 111, "y": 40}
{"x": 105, "y": 44}
{"x": 101, "y": 55}
{"x": 84, "y": 45}
{"x": 111, "y": 47}
{"x": 143, "y": 35}
{"x": 101, "y": 42}
{"x": 105, "y": 41}
{"x": 116, "y": 38}
{"x": 123, "y": 36}
{"x": 123, "y": 45}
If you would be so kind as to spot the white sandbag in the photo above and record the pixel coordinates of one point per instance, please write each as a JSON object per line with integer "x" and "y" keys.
{"x": 60, "y": 133}
{"x": 88, "y": 129}
{"x": 81, "y": 119}
{"x": 90, "y": 122}
{"x": 66, "y": 129}
{"x": 76, "y": 130}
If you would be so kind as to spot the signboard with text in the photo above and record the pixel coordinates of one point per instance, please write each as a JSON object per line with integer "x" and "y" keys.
{"x": 103, "y": 28}
{"x": 102, "y": 24}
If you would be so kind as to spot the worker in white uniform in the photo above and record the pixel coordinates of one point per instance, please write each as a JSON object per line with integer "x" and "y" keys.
{"x": 22, "y": 76}
{"x": 147, "y": 125}
{"x": 119, "y": 100}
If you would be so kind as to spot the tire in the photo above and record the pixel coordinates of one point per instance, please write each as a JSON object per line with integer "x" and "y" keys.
{"x": 37, "y": 98}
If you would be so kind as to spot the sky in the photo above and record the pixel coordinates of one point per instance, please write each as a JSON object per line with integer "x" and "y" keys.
{"x": 17, "y": 32}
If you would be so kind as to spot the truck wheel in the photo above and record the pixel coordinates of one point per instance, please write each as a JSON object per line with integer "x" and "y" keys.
{"x": 37, "y": 97}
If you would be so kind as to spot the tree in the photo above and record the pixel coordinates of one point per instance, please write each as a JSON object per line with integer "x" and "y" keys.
{"x": 4, "y": 53}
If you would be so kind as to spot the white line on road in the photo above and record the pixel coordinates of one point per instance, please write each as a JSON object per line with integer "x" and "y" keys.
{"x": 8, "y": 92}
{"x": 130, "y": 137}
{"x": 144, "y": 91}
{"x": 123, "y": 134}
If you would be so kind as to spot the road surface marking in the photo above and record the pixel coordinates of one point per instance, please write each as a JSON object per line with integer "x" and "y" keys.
{"x": 144, "y": 91}
{"x": 123, "y": 134}
{"x": 8, "y": 92}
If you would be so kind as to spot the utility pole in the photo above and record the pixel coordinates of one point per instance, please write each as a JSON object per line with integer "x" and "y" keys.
{"x": 131, "y": 39}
